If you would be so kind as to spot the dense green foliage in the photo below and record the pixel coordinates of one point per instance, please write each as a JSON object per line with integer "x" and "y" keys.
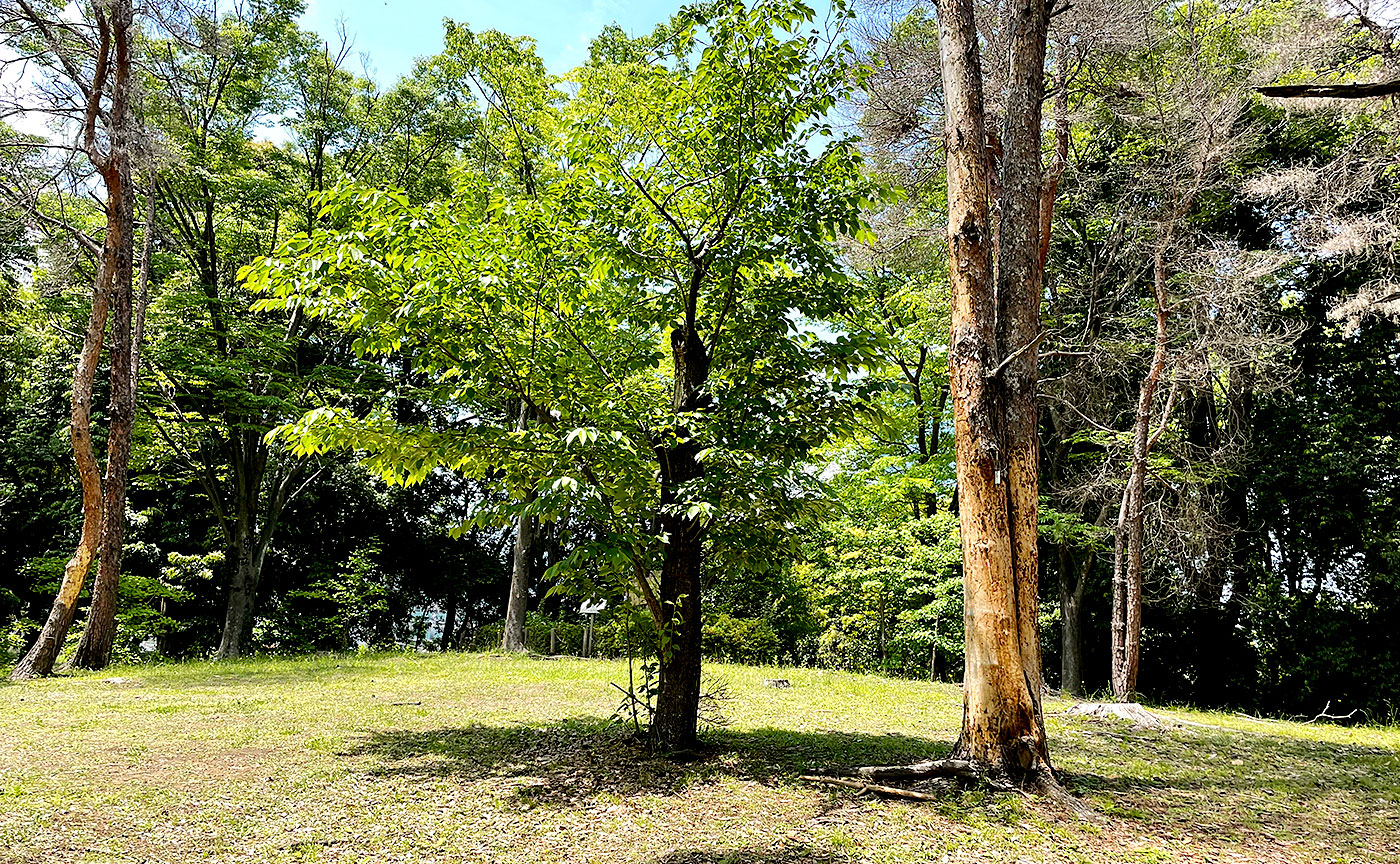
{"x": 668, "y": 288}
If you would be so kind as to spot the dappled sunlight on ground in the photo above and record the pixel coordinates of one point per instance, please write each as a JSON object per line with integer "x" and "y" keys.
{"x": 486, "y": 758}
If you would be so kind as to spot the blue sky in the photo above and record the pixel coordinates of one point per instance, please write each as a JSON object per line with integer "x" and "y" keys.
{"x": 393, "y": 33}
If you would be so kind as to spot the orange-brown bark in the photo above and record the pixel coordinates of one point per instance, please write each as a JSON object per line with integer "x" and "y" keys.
{"x": 112, "y": 297}
{"x": 42, "y": 655}
{"x": 995, "y": 318}
{"x": 94, "y": 649}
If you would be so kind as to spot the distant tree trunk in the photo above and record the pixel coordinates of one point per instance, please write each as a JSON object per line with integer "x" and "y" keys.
{"x": 247, "y": 571}
{"x": 513, "y": 634}
{"x": 1071, "y": 581}
{"x": 248, "y": 537}
{"x": 992, "y": 370}
{"x": 513, "y": 638}
{"x": 929, "y": 436}
{"x": 449, "y": 621}
{"x": 1128, "y": 536}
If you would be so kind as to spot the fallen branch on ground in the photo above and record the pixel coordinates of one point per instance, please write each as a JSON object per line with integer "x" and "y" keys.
{"x": 1334, "y": 717}
{"x": 861, "y": 785}
{"x": 960, "y": 768}
{"x": 929, "y": 769}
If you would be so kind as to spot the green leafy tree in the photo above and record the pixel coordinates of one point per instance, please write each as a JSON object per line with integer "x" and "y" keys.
{"x": 647, "y": 307}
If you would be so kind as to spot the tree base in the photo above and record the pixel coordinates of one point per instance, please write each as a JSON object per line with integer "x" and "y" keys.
{"x": 1040, "y": 781}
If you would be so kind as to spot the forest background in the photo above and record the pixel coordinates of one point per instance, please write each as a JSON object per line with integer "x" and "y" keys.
{"x": 1270, "y": 495}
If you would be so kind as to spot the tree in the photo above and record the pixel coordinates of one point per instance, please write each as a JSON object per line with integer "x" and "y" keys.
{"x": 89, "y": 68}
{"x": 226, "y": 376}
{"x": 646, "y": 304}
{"x": 992, "y": 364}
{"x": 509, "y": 79}
{"x": 1204, "y": 329}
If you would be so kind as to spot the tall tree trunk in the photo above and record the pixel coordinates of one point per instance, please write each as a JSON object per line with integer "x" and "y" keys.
{"x": 1128, "y": 535}
{"x": 94, "y": 649}
{"x": 42, "y": 655}
{"x": 675, "y": 724}
{"x": 997, "y": 452}
{"x": 102, "y": 531}
{"x": 1019, "y": 279}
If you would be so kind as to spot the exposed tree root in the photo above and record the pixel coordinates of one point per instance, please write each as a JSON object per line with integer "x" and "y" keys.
{"x": 1041, "y": 782}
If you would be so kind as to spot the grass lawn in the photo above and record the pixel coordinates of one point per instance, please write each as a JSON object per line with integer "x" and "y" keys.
{"x": 471, "y": 758}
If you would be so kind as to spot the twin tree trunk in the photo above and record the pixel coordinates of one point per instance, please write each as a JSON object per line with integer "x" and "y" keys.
{"x": 992, "y": 365}
{"x": 95, "y": 648}
{"x": 103, "y": 498}
{"x": 43, "y": 654}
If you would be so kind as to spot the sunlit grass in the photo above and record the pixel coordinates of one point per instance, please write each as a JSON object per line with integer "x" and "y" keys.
{"x": 387, "y": 757}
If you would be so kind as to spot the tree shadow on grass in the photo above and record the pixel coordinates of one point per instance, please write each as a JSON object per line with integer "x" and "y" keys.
{"x": 579, "y": 759}
{"x": 1226, "y": 762}
{"x": 584, "y": 757}
{"x": 1237, "y": 784}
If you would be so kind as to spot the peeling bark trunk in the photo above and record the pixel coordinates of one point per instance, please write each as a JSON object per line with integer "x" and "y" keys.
{"x": 40, "y": 659}
{"x": 996, "y": 324}
{"x": 996, "y": 321}
{"x": 1019, "y": 278}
